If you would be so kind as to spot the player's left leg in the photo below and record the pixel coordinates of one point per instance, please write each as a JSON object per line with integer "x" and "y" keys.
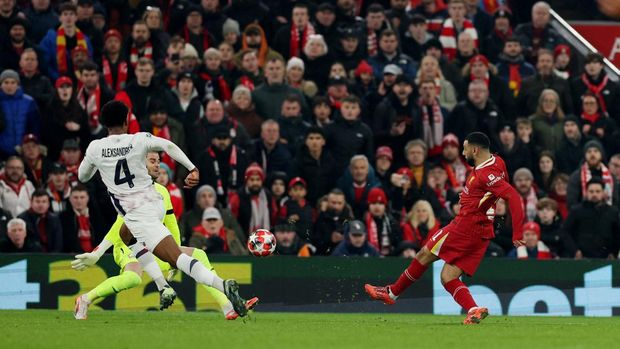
{"x": 450, "y": 279}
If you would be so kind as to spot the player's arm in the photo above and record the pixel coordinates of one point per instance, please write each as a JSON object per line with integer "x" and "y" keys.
{"x": 501, "y": 188}
{"x": 87, "y": 168}
{"x": 160, "y": 144}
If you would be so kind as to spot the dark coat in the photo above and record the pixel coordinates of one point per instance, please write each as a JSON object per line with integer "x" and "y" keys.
{"x": 53, "y": 229}
{"x": 347, "y": 138}
{"x": 38, "y": 87}
{"x": 498, "y": 93}
{"x": 53, "y": 130}
{"x": 278, "y": 159}
{"x": 532, "y": 87}
{"x": 320, "y": 175}
{"x": 326, "y": 223}
{"x": 70, "y": 229}
{"x": 466, "y": 118}
{"x": 593, "y": 229}
{"x": 205, "y": 163}
{"x": 611, "y": 95}
{"x": 346, "y": 249}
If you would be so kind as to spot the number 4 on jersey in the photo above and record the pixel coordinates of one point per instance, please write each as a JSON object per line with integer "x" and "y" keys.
{"x": 121, "y": 165}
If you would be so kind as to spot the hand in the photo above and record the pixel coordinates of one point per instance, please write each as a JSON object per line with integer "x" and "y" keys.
{"x": 293, "y": 218}
{"x": 586, "y": 128}
{"x": 578, "y": 254}
{"x": 395, "y": 179}
{"x": 72, "y": 126}
{"x": 432, "y": 182}
{"x": 337, "y": 237}
{"x": 600, "y": 132}
{"x": 84, "y": 260}
{"x": 382, "y": 90}
{"x": 192, "y": 179}
{"x": 518, "y": 243}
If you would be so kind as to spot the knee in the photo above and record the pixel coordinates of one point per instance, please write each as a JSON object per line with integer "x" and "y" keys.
{"x": 446, "y": 278}
{"x": 133, "y": 279}
{"x": 425, "y": 256}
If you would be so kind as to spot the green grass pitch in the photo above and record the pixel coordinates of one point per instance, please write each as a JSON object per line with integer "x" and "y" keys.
{"x": 137, "y": 330}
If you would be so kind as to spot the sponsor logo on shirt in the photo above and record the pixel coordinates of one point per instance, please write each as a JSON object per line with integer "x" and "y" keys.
{"x": 493, "y": 179}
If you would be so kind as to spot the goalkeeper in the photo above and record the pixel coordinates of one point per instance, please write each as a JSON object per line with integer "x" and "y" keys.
{"x": 131, "y": 272}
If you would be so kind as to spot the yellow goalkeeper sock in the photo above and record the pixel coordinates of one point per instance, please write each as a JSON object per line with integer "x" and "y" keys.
{"x": 126, "y": 280}
{"x": 219, "y": 297}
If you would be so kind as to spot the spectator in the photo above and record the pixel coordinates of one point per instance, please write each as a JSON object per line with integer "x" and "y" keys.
{"x": 337, "y": 91}
{"x": 533, "y": 86}
{"x": 161, "y": 125}
{"x": 253, "y": 204}
{"x": 317, "y": 61}
{"x": 534, "y": 248}
{"x": 512, "y": 67}
{"x": 430, "y": 70}
{"x": 242, "y": 110}
{"x": 325, "y": 23}
{"x": 71, "y": 156}
{"x": 65, "y": 119}
{"x": 515, "y": 153}
{"x": 292, "y": 126}
{"x": 449, "y": 70}
{"x": 140, "y": 45}
{"x": 166, "y": 178}
{"x": 502, "y": 227}
{"x": 329, "y": 227}
{"x": 213, "y": 82}
{"x": 167, "y": 75}
{"x": 357, "y": 182}
{"x": 143, "y": 89}
{"x": 477, "y": 112}
{"x": 268, "y": 97}
{"x": 20, "y": 113}
{"x": 254, "y": 39}
{"x": 321, "y": 111}
{"x": 42, "y": 224}
{"x": 384, "y": 158}
{"x": 420, "y": 224}
{"x": 595, "y": 80}
{"x": 276, "y": 184}
{"x": 538, "y": 34}
{"x": 190, "y": 60}
{"x": 249, "y": 72}
{"x": 550, "y": 222}
{"x": 597, "y": 124}
{"x": 297, "y": 210}
{"x": 592, "y": 227}
{"x": 81, "y": 223}
{"x": 58, "y": 189}
{"x": 389, "y": 53}
{"x": 559, "y": 190}
{"x": 114, "y": 67}
{"x": 15, "y": 188}
{"x": 384, "y": 232}
{"x": 390, "y": 73}
{"x": 416, "y": 37}
{"x": 433, "y": 117}
{"x": 42, "y": 17}
{"x": 38, "y": 165}
{"x": 290, "y": 40}
{"x": 347, "y": 135}
{"x": 15, "y": 44}
{"x": 348, "y": 49}
{"x": 453, "y": 163}
{"x": 315, "y": 164}
{"x": 214, "y": 20}
{"x": 152, "y": 16}
{"x": 188, "y": 100}
{"x": 289, "y": 243}
{"x": 222, "y": 163}
{"x": 614, "y": 165}
{"x": 58, "y": 44}
{"x": 375, "y": 23}
{"x": 211, "y": 235}
{"x": 92, "y": 96}
{"x": 570, "y": 152}
{"x": 397, "y": 14}
{"x": 18, "y": 240}
{"x": 355, "y": 242}
{"x": 445, "y": 194}
{"x": 524, "y": 183}
{"x": 295, "y": 69}
{"x": 454, "y": 26}
{"x": 593, "y": 166}
{"x": 398, "y": 118}
{"x": 465, "y": 50}
{"x": 495, "y": 41}
{"x": 435, "y": 13}
{"x": 232, "y": 37}
{"x": 195, "y": 32}
{"x": 85, "y": 12}
{"x": 563, "y": 67}
{"x": 547, "y": 121}
{"x": 482, "y": 21}
{"x": 33, "y": 82}
{"x": 546, "y": 170}
{"x": 269, "y": 151}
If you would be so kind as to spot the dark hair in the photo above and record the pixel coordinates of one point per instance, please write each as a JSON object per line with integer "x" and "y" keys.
{"x": 292, "y": 98}
{"x": 479, "y": 139}
{"x": 67, "y": 6}
{"x": 336, "y": 191}
{"x": 595, "y": 180}
{"x": 79, "y": 187}
{"x": 314, "y": 130}
{"x": 352, "y": 99}
{"x": 38, "y": 193}
{"x": 375, "y": 8}
{"x": 89, "y": 66}
{"x": 114, "y": 114}
{"x": 299, "y": 4}
{"x": 387, "y": 32}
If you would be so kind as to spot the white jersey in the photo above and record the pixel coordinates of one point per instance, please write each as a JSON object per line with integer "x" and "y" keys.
{"x": 121, "y": 161}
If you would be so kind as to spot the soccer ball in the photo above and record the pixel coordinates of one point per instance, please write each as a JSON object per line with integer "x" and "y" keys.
{"x": 262, "y": 243}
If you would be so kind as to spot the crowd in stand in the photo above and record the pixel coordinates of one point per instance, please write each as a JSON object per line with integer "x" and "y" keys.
{"x": 336, "y": 124}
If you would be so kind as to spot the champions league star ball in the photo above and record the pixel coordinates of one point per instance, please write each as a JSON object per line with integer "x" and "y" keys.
{"x": 262, "y": 243}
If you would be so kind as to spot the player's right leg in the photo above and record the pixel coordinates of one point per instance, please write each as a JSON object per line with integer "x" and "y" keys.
{"x": 389, "y": 294}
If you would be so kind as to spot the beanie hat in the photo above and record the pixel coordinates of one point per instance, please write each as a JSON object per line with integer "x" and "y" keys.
{"x": 204, "y": 188}
{"x": 230, "y": 26}
{"x": 363, "y": 68}
{"x": 189, "y": 51}
{"x": 254, "y": 169}
{"x": 9, "y": 74}
{"x": 594, "y": 144}
{"x": 295, "y": 62}
{"x": 523, "y": 172}
{"x": 168, "y": 170}
{"x": 377, "y": 195}
{"x": 533, "y": 226}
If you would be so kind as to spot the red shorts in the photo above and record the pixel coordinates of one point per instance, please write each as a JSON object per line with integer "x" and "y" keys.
{"x": 462, "y": 247}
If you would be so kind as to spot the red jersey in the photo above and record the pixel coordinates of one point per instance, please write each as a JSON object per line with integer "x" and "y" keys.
{"x": 486, "y": 183}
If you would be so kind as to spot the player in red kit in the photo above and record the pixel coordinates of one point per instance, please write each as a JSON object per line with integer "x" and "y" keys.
{"x": 463, "y": 243}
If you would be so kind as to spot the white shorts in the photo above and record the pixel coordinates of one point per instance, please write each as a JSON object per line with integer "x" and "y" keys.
{"x": 143, "y": 214}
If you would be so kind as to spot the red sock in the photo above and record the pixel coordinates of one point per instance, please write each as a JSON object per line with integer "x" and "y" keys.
{"x": 409, "y": 276}
{"x": 460, "y": 293}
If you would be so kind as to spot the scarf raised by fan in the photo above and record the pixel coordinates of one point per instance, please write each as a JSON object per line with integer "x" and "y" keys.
{"x": 543, "y": 251}
{"x": 61, "y": 48}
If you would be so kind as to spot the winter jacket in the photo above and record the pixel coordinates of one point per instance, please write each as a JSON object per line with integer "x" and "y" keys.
{"x": 346, "y": 249}
{"x": 551, "y": 235}
{"x": 49, "y": 48}
{"x": 278, "y": 159}
{"x": 610, "y": 93}
{"x": 525, "y": 32}
{"x": 569, "y": 154}
{"x": 293, "y": 130}
{"x": 22, "y": 117}
{"x": 53, "y": 129}
{"x": 199, "y": 135}
{"x": 521, "y": 155}
{"x": 532, "y": 87}
{"x": 547, "y": 132}
{"x": 268, "y": 100}
{"x": 380, "y": 60}
{"x": 467, "y": 118}
{"x": 594, "y": 229}
{"x": 15, "y": 200}
{"x": 248, "y": 118}
{"x": 320, "y": 175}
{"x": 70, "y": 228}
{"x": 499, "y": 93}
{"x": 574, "y": 196}
{"x": 503, "y": 68}
{"x": 347, "y": 138}
{"x": 206, "y": 165}
{"x": 345, "y": 183}
{"x": 40, "y": 22}
{"x": 327, "y": 223}
{"x": 53, "y": 230}
{"x": 141, "y": 96}
{"x": 38, "y": 87}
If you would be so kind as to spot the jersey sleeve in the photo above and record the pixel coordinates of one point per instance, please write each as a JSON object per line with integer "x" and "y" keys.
{"x": 170, "y": 221}
{"x": 114, "y": 234}
{"x": 88, "y": 166}
{"x": 496, "y": 182}
{"x": 153, "y": 143}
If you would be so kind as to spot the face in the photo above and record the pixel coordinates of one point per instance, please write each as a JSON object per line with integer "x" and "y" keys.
{"x": 388, "y": 44}
{"x": 322, "y": 112}
{"x": 144, "y": 74}
{"x": 383, "y": 163}
{"x": 589, "y": 105}
{"x": 58, "y": 180}
{"x": 17, "y": 235}
{"x": 163, "y": 177}
{"x": 500, "y": 207}
{"x": 440, "y": 176}
{"x": 549, "y": 104}
{"x": 450, "y": 152}
{"x": 291, "y": 109}
{"x": 418, "y": 30}
{"x": 531, "y": 238}
{"x": 194, "y": 20}
{"x": 338, "y": 91}
{"x": 593, "y": 157}
{"x": 512, "y": 48}
{"x": 278, "y": 188}
{"x": 315, "y": 142}
{"x": 140, "y": 34}
{"x": 560, "y": 188}
{"x": 415, "y": 155}
{"x": 562, "y": 60}
{"x": 545, "y": 164}
{"x": 479, "y": 70}
{"x": 614, "y": 166}
{"x": 17, "y": 33}
{"x": 315, "y": 48}
{"x": 376, "y": 209}
{"x": 206, "y": 199}
{"x": 85, "y": 13}
{"x": 337, "y": 70}
{"x": 357, "y": 240}
{"x": 350, "y": 111}
{"x": 507, "y": 137}
{"x": 349, "y": 45}
{"x": 375, "y": 20}
{"x": 71, "y": 156}
{"x": 40, "y": 204}
{"x": 152, "y": 164}
{"x": 429, "y": 67}
{"x": 79, "y": 200}
{"x": 502, "y": 24}
{"x": 254, "y": 183}
{"x": 113, "y": 45}
{"x": 253, "y": 40}
{"x": 402, "y": 90}
{"x": 595, "y": 193}
{"x": 359, "y": 171}
{"x": 457, "y": 12}
{"x": 250, "y": 62}
{"x": 99, "y": 21}
{"x": 434, "y": 52}
{"x": 9, "y": 86}
{"x": 210, "y": 5}
{"x": 428, "y": 91}
{"x": 90, "y": 78}
{"x": 270, "y": 133}
{"x": 153, "y": 19}
{"x": 477, "y": 93}
{"x": 31, "y": 150}
{"x": 422, "y": 214}
{"x": 546, "y": 215}
{"x": 326, "y": 18}
{"x": 285, "y": 238}
{"x": 540, "y": 16}
{"x": 212, "y": 225}
{"x": 213, "y": 62}
{"x": 227, "y": 51}
{"x": 274, "y": 72}
{"x": 295, "y": 74}
{"x": 68, "y": 18}
{"x": 186, "y": 87}
{"x": 242, "y": 100}
{"x": 40, "y": 5}
{"x": 65, "y": 92}
{"x": 215, "y": 112}
{"x": 300, "y": 16}
{"x": 469, "y": 152}
{"x": 14, "y": 170}
{"x": 221, "y": 143}
{"x": 571, "y": 130}
{"x": 524, "y": 130}
{"x": 466, "y": 44}
{"x": 389, "y": 79}
{"x": 336, "y": 202}
{"x": 544, "y": 65}
{"x": 523, "y": 184}
{"x": 594, "y": 68}
{"x": 297, "y": 192}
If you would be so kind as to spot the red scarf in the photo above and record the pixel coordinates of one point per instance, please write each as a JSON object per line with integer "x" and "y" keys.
{"x": 529, "y": 203}
{"x": 543, "y": 251}
{"x": 61, "y": 48}
{"x": 298, "y": 43}
{"x": 372, "y": 43}
{"x": 121, "y": 74}
{"x": 503, "y": 36}
{"x": 91, "y": 105}
{"x": 448, "y": 37}
{"x": 597, "y": 89}
{"x": 514, "y": 78}
{"x": 608, "y": 180}
{"x": 457, "y": 176}
{"x": 16, "y": 187}
{"x": 42, "y": 228}
{"x": 205, "y": 38}
{"x": 373, "y": 233}
{"x": 222, "y": 234}
{"x": 164, "y": 132}
{"x": 432, "y": 130}
{"x": 225, "y": 93}
{"x": 232, "y": 162}
{"x": 591, "y": 118}
{"x": 247, "y": 82}
{"x": 358, "y": 190}
{"x": 135, "y": 54}
{"x": 84, "y": 232}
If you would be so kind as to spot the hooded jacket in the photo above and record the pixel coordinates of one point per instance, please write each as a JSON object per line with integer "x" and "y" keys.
{"x": 21, "y": 117}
